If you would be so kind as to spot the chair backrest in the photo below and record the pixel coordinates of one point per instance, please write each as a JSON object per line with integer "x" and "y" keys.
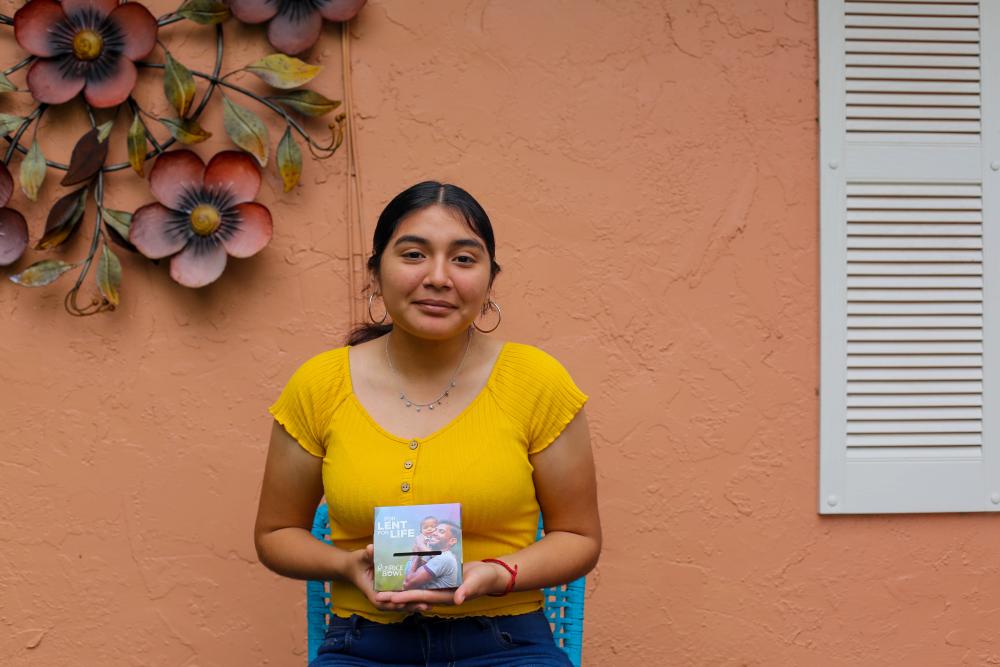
{"x": 563, "y": 604}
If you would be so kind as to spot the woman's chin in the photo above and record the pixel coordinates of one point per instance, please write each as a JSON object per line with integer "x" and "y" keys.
{"x": 433, "y": 328}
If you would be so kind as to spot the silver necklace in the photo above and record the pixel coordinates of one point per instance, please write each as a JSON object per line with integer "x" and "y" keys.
{"x": 410, "y": 403}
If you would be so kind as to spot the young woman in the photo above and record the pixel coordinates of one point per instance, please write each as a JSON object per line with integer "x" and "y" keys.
{"x": 420, "y": 408}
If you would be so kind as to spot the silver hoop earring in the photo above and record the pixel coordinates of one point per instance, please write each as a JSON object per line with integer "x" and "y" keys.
{"x": 371, "y": 298}
{"x": 492, "y": 305}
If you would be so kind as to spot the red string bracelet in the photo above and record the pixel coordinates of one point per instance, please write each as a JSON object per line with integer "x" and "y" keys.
{"x": 513, "y": 575}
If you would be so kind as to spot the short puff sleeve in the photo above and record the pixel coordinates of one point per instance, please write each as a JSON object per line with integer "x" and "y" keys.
{"x": 538, "y": 392}
{"x": 308, "y": 401}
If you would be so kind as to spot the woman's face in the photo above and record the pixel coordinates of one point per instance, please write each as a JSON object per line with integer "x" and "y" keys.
{"x": 434, "y": 274}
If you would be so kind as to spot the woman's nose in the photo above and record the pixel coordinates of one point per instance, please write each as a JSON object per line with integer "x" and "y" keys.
{"x": 437, "y": 274}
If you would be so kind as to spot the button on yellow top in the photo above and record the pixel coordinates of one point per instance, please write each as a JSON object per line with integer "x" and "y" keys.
{"x": 413, "y": 444}
{"x": 405, "y": 486}
{"x": 408, "y": 465}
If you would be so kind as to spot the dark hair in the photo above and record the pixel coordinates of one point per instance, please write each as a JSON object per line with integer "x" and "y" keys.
{"x": 410, "y": 200}
{"x": 453, "y": 528}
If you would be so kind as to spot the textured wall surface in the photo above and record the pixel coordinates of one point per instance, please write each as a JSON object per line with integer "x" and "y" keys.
{"x": 651, "y": 171}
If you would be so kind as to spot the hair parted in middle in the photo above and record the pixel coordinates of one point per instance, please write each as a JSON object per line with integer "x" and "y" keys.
{"x": 412, "y": 199}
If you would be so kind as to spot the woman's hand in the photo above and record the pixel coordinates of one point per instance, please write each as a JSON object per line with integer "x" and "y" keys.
{"x": 478, "y": 579}
{"x": 359, "y": 570}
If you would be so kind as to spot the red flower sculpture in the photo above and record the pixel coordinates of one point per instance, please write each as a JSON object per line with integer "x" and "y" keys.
{"x": 203, "y": 214}
{"x": 87, "y": 45}
{"x": 294, "y": 24}
{"x": 13, "y": 227}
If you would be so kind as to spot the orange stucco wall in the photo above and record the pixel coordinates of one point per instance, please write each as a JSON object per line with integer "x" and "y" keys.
{"x": 651, "y": 171}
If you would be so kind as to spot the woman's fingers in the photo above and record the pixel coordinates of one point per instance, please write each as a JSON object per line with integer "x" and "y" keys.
{"x": 417, "y": 596}
{"x": 397, "y": 605}
{"x": 401, "y": 607}
{"x": 478, "y": 580}
{"x": 475, "y": 584}
{"x": 385, "y": 602}
{"x": 381, "y": 600}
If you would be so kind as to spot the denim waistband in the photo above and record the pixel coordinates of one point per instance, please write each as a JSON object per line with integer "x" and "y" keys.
{"x": 436, "y": 640}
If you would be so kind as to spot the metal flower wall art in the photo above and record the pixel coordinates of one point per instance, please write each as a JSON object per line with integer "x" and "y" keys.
{"x": 201, "y": 212}
{"x": 293, "y": 25}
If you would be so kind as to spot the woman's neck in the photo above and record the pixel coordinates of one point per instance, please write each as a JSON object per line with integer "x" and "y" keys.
{"x": 414, "y": 357}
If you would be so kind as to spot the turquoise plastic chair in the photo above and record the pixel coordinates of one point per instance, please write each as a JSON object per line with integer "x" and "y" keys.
{"x": 563, "y": 604}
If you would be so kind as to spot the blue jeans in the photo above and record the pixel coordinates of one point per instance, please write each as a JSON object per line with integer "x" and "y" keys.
{"x": 524, "y": 640}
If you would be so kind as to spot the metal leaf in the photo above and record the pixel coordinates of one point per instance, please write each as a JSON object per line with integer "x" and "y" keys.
{"x": 283, "y": 71}
{"x": 109, "y": 276}
{"x": 178, "y": 86}
{"x": 122, "y": 242}
{"x": 137, "y": 144}
{"x": 186, "y": 131}
{"x": 6, "y": 185}
{"x": 33, "y": 171}
{"x": 289, "y": 158}
{"x": 63, "y": 219}
{"x": 87, "y": 158}
{"x": 246, "y": 130}
{"x": 41, "y": 273}
{"x": 205, "y": 12}
{"x": 9, "y": 123}
{"x": 307, "y": 102}
{"x": 5, "y": 85}
{"x": 120, "y": 221}
{"x": 104, "y": 130}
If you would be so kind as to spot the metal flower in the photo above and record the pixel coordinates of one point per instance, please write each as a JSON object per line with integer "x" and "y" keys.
{"x": 13, "y": 227}
{"x": 87, "y": 45}
{"x": 294, "y": 24}
{"x": 203, "y": 214}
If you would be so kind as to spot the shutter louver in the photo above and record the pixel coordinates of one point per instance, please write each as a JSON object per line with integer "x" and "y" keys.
{"x": 904, "y": 223}
{"x": 914, "y": 321}
{"x": 912, "y": 71}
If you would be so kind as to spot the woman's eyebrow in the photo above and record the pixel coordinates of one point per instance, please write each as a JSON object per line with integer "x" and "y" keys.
{"x": 420, "y": 240}
{"x": 410, "y": 238}
{"x": 467, "y": 243}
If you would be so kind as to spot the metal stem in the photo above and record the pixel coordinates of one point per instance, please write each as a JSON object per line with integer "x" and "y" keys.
{"x": 22, "y": 128}
{"x": 214, "y": 78}
{"x": 94, "y": 242}
{"x": 197, "y": 111}
{"x": 167, "y": 19}
{"x": 27, "y": 61}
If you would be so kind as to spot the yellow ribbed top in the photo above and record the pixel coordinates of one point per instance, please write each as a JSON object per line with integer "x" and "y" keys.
{"x": 480, "y": 459}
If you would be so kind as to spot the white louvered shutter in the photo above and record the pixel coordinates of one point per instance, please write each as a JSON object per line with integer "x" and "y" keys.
{"x": 910, "y": 169}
